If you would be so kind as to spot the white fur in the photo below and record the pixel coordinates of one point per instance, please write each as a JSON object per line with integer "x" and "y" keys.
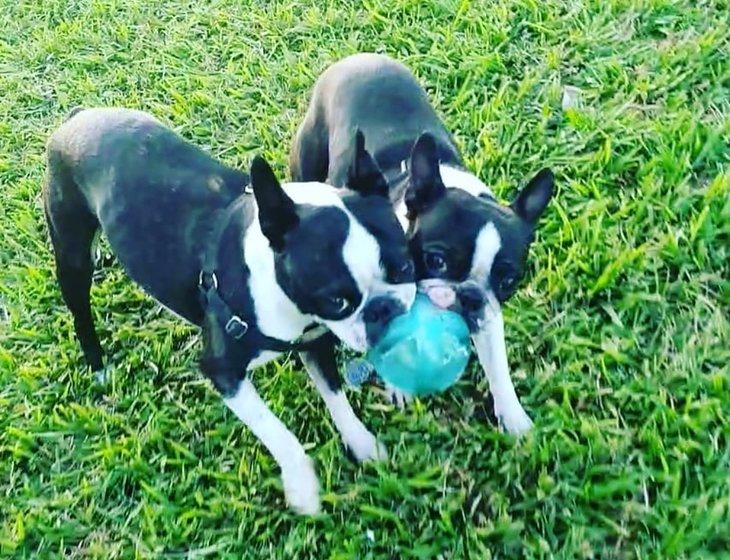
{"x": 351, "y": 330}
{"x": 452, "y": 178}
{"x": 404, "y": 292}
{"x": 486, "y": 248}
{"x": 316, "y": 194}
{"x": 361, "y": 254}
{"x": 264, "y": 357}
{"x": 355, "y": 435}
{"x": 276, "y": 315}
{"x": 492, "y": 354}
{"x": 401, "y": 212}
{"x": 489, "y": 339}
{"x": 460, "y": 179}
{"x": 301, "y": 486}
{"x": 397, "y": 396}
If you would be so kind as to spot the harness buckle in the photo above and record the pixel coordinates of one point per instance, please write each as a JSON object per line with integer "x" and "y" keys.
{"x": 236, "y": 327}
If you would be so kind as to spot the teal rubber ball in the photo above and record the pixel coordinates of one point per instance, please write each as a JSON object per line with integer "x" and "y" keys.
{"x": 423, "y": 351}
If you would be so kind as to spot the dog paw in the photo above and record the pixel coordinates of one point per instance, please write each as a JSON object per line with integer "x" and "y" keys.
{"x": 514, "y": 420}
{"x": 397, "y": 397}
{"x": 301, "y": 487}
{"x": 103, "y": 376}
{"x": 363, "y": 446}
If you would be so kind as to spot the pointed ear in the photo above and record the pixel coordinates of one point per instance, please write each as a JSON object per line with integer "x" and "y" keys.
{"x": 277, "y": 212}
{"x": 364, "y": 176}
{"x": 425, "y": 185}
{"x": 532, "y": 200}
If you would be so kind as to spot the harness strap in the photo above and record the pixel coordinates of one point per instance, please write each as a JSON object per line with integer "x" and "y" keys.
{"x": 234, "y": 326}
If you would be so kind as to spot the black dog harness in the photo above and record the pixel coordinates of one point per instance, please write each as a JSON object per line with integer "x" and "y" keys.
{"x": 234, "y": 325}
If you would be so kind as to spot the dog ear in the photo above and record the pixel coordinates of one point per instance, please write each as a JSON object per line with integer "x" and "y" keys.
{"x": 364, "y": 176}
{"x": 531, "y": 201}
{"x": 277, "y": 212}
{"x": 425, "y": 185}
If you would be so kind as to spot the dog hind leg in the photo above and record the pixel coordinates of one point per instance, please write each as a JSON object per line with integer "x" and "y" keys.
{"x": 309, "y": 157}
{"x": 72, "y": 228}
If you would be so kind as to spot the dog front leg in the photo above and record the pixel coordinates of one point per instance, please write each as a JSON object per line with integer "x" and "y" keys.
{"x": 301, "y": 486}
{"x": 321, "y": 366}
{"x": 492, "y": 354}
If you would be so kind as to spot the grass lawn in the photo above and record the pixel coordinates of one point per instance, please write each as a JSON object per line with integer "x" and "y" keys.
{"x": 619, "y": 341}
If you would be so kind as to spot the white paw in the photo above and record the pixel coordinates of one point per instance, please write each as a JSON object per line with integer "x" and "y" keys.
{"x": 301, "y": 487}
{"x": 514, "y": 420}
{"x": 364, "y": 446}
{"x": 397, "y": 397}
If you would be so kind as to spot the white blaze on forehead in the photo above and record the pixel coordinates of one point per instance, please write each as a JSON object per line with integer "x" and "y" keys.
{"x": 361, "y": 253}
{"x": 486, "y": 248}
{"x": 460, "y": 179}
{"x": 362, "y": 257}
{"x": 276, "y": 314}
{"x": 401, "y": 212}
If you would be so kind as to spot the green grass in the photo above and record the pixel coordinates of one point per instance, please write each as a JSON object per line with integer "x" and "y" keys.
{"x": 619, "y": 342}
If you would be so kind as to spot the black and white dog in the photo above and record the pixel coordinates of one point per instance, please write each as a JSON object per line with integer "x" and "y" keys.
{"x": 255, "y": 270}
{"x": 469, "y": 250}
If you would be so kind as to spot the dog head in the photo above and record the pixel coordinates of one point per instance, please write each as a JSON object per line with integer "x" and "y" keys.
{"x": 469, "y": 250}
{"x": 339, "y": 256}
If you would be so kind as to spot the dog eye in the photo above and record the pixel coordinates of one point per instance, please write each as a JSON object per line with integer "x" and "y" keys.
{"x": 507, "y": 283}
{"x": 339, "y": 303}
{"x": 435, "y": 262}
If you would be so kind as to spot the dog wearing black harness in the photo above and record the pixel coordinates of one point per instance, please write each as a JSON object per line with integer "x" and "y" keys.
{"x": 261, "y": 267}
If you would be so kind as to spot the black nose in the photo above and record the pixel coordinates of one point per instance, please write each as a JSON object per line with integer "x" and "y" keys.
{"x": 471, "y": 300}
{"x": 378, "y": 312}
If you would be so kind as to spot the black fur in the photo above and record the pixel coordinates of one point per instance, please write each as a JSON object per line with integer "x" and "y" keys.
{"x": 166, "y": 207}
{"x": 381, "y": 97}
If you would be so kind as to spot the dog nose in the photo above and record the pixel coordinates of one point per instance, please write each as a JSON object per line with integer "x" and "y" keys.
{"x": 382, "y": 309}
{"x": 378, "y": 312}
{"x": 472, "y": 300}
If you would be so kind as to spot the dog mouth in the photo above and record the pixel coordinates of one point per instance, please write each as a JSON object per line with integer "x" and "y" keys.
{"x": 443, "y": 297}
{"x": 468, "y": 299}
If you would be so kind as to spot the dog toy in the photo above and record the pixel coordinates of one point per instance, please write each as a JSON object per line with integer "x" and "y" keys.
{"x": 423, "y": 351}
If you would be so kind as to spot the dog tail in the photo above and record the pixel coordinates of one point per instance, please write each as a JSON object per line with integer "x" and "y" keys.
{"x": 73, "y": 112}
